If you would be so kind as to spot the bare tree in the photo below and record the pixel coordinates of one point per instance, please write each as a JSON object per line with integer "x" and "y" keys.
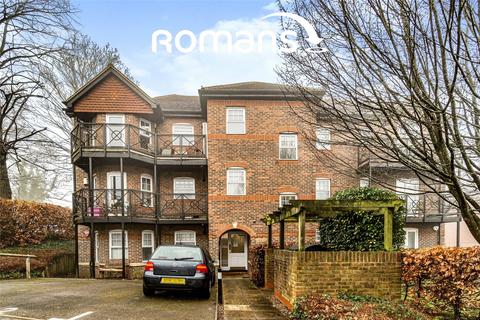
{"x": 400, "y": 79}
{"x": 31, "y": 32}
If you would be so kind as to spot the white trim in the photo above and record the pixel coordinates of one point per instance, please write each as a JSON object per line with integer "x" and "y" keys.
{"x": 147, "y": 176}
{"x": 144, "y": 132}
{"x": 284, "y": 134}
{"x": 227, "y": 130}
{"x": 150, "y": 232}
{"x": 97, "y": 248}
{"x": 415, "y": 231}
{"x": 185, "y": 231}
{"x": 323, "y": 145}
{"x": 190, "y": 195}
{"x": 285, "y": 194}
{"x": 329, "y": 188}
{"x": 110, "y": 247}
{"x": 229, "y": 170}
{"x": 108, "y": 133}
{"x": 364, "y": 182}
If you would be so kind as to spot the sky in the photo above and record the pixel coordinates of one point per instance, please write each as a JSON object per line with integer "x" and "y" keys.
{"x": 128, "y": 25}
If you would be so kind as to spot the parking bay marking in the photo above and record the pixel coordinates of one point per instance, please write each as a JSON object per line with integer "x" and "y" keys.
{"x": 5, "y": 310}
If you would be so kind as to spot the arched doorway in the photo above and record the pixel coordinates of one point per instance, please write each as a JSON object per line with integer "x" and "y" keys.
{"x": 234, "y": 250}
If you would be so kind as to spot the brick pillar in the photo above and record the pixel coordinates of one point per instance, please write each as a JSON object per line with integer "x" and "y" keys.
{"x": 269, "y": 268}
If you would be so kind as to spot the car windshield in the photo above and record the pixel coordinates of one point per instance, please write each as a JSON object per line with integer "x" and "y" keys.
{"x": 178, "y": 253}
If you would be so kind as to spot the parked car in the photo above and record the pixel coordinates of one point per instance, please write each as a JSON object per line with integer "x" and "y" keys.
{"x": 179, "y": 267}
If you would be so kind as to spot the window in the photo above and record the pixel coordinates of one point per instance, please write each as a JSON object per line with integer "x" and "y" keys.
{"x": 411, "y": 238}
{"x": 184, "y": 188}
{"x": 322, "y": 189}
{"x": 145, "y": 133}
{"x": 115, "y": 244}
{"x": 97, "y": 247}
{"x": 285, "y": 198}
{"x": 235, "y": 120}
{"x": 317, "y": 235}
{"x": 146, "y": 188}
{"x": 288, "y": 146}
{"x": 147, "y": 244}
{"x": 408, "y": 189}
{"x": 236, "y": 181}
{"x": 183, "y": 134}
{"x": 323, "y": 139}
{"x": 364, "y": 182}
{"x": 187, "y": 237}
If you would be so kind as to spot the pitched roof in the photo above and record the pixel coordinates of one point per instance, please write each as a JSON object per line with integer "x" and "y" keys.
{"x": 250, "y": 85}
{"x": 178, "y": 103}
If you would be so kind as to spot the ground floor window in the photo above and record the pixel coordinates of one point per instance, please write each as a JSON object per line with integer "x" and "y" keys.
{"x": 97, "y": 247}
{"x": 147, "y": 244}
{"x": 115, "y": 244}
{"x": 285, "y": 198}
{"x": 187, "y": 237}
{"x": 411, "y": 238}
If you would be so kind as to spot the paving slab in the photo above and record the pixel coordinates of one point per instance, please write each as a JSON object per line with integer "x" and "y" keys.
{"x": 243, "y": 300}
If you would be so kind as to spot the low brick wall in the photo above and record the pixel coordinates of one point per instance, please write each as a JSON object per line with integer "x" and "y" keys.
{"x": 296, "y": 274}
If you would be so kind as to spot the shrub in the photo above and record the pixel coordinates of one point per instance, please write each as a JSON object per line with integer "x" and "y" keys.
{"x": 360, "y": 230}
{"x": 25, "y": 222}
{"x": 449, "y": 275}
{"x": 257, "y": 264}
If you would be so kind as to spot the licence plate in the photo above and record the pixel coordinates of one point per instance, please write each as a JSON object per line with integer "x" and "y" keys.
{"x": 173, "y": 280}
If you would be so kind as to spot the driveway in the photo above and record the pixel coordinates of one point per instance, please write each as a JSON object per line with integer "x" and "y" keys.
{"x": 42, "y": 299}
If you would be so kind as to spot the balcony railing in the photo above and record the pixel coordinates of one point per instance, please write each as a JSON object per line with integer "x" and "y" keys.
{"x": 104, "y": 204}
{"x": 366, "y": 158}
{"x": 429, "y": 207}
{"x": 130, "y": 138}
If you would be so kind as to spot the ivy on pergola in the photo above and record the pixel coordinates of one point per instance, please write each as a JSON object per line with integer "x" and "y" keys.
{"x": 302, "y": 211}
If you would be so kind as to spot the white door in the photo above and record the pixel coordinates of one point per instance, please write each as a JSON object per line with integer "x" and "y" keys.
{"x": 114, "y": 192}
{"x": 237, "y": 250}
{"x": 409, "y": 189}
{"x": 116, "y": 130}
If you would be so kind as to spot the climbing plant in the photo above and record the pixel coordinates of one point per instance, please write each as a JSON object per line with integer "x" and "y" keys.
{"x": 360, "y": 230}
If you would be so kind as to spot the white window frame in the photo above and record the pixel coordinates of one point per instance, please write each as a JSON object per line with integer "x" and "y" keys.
{"x": 184, "y": 232}
{"x": 147, "y": 176}
{"x": 229, "y": 128}
{"x": 329, "y": 188}
{"x": 283, "y": 194}
{"x": 176, "y": 192}
{"x": 287, "y": 134}
{"x": 143, "y": 129}
{"x": 110, "y": 247}
{"x": 320, "y": 144}
{"x": 414, "y": 230}
{"x": 189, "y": 138}
{"x": 229, "y": 171}
{"x": 317, "y": 235}
{"x": 150, "y": 232}
{"x": 409, "y": 188}
{"x": 97, "y": 248}
{"x": 364, "y": 182}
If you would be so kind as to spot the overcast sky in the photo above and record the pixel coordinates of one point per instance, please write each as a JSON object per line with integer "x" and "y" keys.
{"x": 128, "y": 25}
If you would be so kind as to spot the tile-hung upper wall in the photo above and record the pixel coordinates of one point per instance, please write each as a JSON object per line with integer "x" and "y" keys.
{"x": 257, "y": 151}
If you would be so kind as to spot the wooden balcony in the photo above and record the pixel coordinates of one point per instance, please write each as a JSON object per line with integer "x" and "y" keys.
{"x": 113, "y": 205}
{"x": 429, "y": 208}
{"x": 126, "y": 140}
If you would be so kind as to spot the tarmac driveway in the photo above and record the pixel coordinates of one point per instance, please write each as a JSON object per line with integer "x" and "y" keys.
{"x": 62, "y": 299}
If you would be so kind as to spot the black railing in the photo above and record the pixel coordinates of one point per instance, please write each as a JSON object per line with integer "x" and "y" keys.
{"x": 127, "y": 137}
{"x": 428, "y": 205}
{"x": 108, "y": 203}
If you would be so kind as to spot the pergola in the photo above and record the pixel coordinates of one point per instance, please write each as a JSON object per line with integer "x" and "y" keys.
{"x": 302, "y": 211}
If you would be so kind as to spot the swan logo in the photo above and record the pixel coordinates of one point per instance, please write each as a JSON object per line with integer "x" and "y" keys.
{"x": 243, "y": 41}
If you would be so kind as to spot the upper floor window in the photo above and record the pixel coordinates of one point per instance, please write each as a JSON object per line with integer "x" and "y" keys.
{"x": 147, "y": 244}
{"x": 183, "y": 134}
{"x": 322, "y": 189}
{"x": 184, "y": 188}
{"x": 145, "y": 133}
{"x": 235, "y": 120}
{"x": 285, "y": 198}
{"x": 236, "y": 181}
{"x": 323, "y": 139}
{"x": 186, "y": 237}
{"x": 146, "y": 188}
{"x": 288, "y": 146}
{"x": 409, "y": 189}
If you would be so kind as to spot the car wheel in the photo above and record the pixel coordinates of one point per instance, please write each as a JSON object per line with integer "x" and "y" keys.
{"x": 148, "y": 292}
{"x": 206, "y": 292}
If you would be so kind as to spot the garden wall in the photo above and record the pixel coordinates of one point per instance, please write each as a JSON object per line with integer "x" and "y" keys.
{"x": 296, "y": 274}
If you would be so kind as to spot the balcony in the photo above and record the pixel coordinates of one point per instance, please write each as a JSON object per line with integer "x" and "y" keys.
{"x": 107, "y": 205}
{"x": 367, "y": 159}
{"x": 126, "y": 140}
{"x": 429, "y": 208}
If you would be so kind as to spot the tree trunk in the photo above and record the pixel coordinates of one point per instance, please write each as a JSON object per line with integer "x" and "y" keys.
{"x": 5, "y": 190}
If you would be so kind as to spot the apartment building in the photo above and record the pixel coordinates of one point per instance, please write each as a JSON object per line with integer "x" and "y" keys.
{"x": 204, "y": 170}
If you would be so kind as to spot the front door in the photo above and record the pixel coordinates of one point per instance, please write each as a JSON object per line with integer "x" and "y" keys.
{"x": 234, "y": 251}
{"x": 114, "y": 190}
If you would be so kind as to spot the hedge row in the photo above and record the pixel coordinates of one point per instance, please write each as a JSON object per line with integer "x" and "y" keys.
{"x": 448, "y": 275}
{"x": 25, "y": 223}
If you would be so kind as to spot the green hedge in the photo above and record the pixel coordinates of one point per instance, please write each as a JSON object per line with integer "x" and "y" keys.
{"x": 360, "y": 230}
